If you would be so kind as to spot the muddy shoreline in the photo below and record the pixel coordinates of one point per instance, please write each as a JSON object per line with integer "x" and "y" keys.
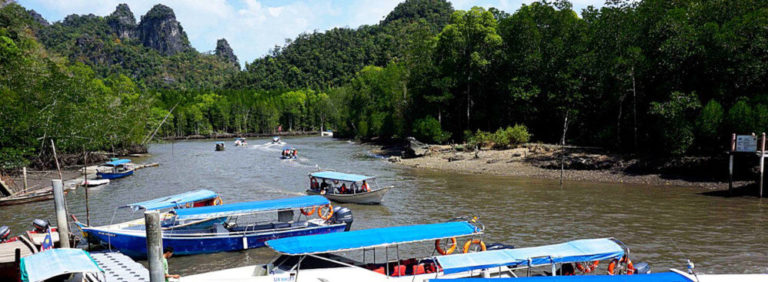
{"x": 581, "y": 164}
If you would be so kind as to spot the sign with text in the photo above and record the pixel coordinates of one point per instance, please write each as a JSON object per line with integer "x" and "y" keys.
{"x": 746, "y": 143}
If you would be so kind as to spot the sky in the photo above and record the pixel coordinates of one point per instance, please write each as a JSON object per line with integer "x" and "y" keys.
{"x": 253, "y": 27}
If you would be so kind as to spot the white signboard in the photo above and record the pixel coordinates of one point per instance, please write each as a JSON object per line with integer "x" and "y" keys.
{"x": 746, "y": 143}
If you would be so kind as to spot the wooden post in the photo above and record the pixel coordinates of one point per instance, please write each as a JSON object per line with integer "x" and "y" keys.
{"x": 25, "y": 178}
{"x": 154, "y": 246}
{"x": 56, "y": 158}
{"x": 61, "y": 212}
{"x": 85, "y": 180}
{"x": 762, "y": 163}
{"x": 730, "y": 164}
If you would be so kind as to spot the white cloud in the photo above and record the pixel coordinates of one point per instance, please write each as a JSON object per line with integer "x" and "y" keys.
{"x": 253, "y": 27}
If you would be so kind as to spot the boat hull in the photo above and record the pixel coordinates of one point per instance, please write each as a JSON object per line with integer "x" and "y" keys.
{"x": 368, "y": 198}
{"x": 134, "y": 244}
{"x": 26, "y": 198}
{"x": 111, "y": 175}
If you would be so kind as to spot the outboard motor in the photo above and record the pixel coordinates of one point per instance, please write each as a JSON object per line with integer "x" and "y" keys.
{"x": 342, "y": 215}
{"x": 642, "y": 268}
{"x": 5, "y": 231}
{"x": 40, "y": 225}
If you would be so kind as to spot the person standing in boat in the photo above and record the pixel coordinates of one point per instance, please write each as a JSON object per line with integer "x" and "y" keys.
{"x": 167, "y": 253}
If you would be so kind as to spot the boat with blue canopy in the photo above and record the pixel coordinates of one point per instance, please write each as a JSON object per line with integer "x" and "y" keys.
{"x": 117, "y": 168}
{"x": 220, "y": 146}
{"x": 360, "y": 255}
{"x": 241, "y": 142}
{"x": 228, "y": 227}
{"x": 346, "y": 187}
{"x": 61, "y": 265}
{"x": 197, "y": 198}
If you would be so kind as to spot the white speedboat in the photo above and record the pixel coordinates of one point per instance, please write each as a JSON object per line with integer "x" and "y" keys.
{"x": 94, "y": 182}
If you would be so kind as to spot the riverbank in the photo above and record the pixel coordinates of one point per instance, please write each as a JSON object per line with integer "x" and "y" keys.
{"x": 581, "y": 164}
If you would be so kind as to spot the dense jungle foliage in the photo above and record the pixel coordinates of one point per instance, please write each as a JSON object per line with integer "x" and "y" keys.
{"x": 654, "y": 77}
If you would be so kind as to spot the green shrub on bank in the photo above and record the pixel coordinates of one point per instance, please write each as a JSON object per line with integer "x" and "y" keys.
{"x": 501, "y": 139}
{"x": 429, "y": 130}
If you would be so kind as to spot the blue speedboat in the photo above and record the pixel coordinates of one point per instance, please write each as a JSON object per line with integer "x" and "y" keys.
{"x": 116, "y": 169}
{"x": 228, "y": 227}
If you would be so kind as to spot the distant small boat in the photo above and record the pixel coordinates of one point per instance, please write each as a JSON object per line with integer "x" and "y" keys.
{"x": 346, "y": 188}
{"x": 219, "y": 146}
{"x": 116, "y": 169}
{"x": 276, "y": 140}
{"x": 327, "y": 133}
{"x": 240, "y": 142}
{"x": 289, "y": 153}
{"x": 94, "y": 182}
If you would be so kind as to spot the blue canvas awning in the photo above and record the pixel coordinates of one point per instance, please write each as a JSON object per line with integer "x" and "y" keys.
{"x": 654, "y": 277}
{"x": 370, "y": 238}
{"x": 340, "y": 176}
{"x": 174, "y": 201}
{"x": 573, "y": 251}
{"x": 252, "y": 207}
{"x": 55, "y": 262}
{"x": 117, "y": 162}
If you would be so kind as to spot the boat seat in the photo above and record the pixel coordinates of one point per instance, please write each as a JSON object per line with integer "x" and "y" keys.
{"x": 398, "y": 270}
{"x": 418, "y": 269}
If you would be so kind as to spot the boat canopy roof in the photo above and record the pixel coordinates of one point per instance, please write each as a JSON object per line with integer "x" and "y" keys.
{"x": 55, "y": 262}
{"x": 174, "y": 201}
{"x": 219, "y": 142}
{"x": 340, "y": 176}
{"x": 370, "y": 238}
{"x": 252, "y": 207}
{"x": 653, "y": 277}
{"x": 573, "y": 251}
{"x": 117, "y": 162}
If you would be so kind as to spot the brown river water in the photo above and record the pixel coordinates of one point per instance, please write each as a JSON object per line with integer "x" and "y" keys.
{"x": 663, "y": 226}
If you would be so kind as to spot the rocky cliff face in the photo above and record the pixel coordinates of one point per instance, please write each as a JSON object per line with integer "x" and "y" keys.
{"x": 160, "y": 30}
{"x": 224, "y": 51}
{"x": 122, "y": 22}
{"x": 37, "y": 17}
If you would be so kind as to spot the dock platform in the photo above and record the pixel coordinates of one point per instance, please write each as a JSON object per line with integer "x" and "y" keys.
{"x": 119, "y": 267}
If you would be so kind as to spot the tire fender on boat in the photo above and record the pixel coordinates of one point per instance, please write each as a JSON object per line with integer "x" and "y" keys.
{"x": 325, "y": 216}
{"x": 218, "y": 201}
{"x": 449, "y": 250}
{"x": 475, "y": 242}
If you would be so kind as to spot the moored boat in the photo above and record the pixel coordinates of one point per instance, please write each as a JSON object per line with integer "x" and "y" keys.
{"x": 361, "y": 255}
{"x": 94, "y": 182}
{"x": 228, "y": 227}
{"x": 346, "y": 188}
{"x": 116, "y": 169}
{"x": 61, "y": 265}
{"x": 28, "y": 197}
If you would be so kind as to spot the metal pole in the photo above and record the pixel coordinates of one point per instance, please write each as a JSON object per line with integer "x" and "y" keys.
{"x": 762, "y": 163}
{"x": 730, "y": 163}
{"x": 85, "y": 180}
{"x": 61, "y": 212}
{"x": 154, "y": 246}
{"x": 25, "y": 178}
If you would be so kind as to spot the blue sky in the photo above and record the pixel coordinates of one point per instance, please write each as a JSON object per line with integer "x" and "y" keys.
{"x": 254, "y": 27}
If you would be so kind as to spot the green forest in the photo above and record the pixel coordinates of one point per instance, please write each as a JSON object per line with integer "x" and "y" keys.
{"x": 653, "y": 77}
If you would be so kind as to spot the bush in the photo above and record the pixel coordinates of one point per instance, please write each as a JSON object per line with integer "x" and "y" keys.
{"x": 501, "y": 139}
{"x": 740, "y": 117}
{"x": 428, "y": 129}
